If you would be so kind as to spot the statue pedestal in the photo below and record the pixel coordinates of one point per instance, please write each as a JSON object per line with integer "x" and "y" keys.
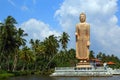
{"x": 83, "y": 65}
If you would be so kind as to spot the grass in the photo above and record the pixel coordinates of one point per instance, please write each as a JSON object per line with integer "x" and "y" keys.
{"x": 6, "y": 75}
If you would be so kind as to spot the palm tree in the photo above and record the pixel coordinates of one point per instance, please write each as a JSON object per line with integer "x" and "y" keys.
{"x": 34, "y": 44}
{"x": 27, "y": 56}
{"x": 10, "y": 40}
{"x": 7, "y": 38}
{"x": 19, "y": 41}
{"x": 64, "y": 38}
{"x": 51, "y": 45}
{"x": 35, "y": 48}
{"x": 91, "y": 55}
{"x": 1, "y": 25}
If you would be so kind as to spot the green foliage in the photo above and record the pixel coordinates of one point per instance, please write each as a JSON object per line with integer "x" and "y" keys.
{"x": 91, "y": 55}
{"x": 10, "y": 40}
{"x": 6, "y": 75}
{"x": 109, "y": 58}
{"x": 66, "y": 59}
{"x": 64, "y": 38}
{"x": 51, "y": 45}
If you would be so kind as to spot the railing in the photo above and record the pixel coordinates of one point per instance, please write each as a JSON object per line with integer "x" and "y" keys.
{"x": 64, "y": 68}
{"x": 115, "y": 71}
{"x": 78, "y": 69}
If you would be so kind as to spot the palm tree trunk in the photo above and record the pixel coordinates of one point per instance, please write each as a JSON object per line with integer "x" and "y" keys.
{"x": 8, "y": 65}
{"x": 50, "y": 60}
{"x": 28, "y": 66}
{"x": 35, "y": 66}
{"x": 0, "y": 60}
{"x": 8, "y": 68}
{"x": 15, "y": 61}
{"x": 23, "y": 67}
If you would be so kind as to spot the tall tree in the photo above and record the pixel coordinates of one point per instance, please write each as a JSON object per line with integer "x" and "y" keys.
{"x": 64, "y": 38}
{"x": 7, "y": 38}
{"x": 91, "y": 55}
{"x": 10, "y": 40}
{"x": 19, "y": 41}
{"x": 34, "y": 46}
{"x": 27, "y": 56}
{"x": 51, "y": 45}
{"x": 99, "y": 55}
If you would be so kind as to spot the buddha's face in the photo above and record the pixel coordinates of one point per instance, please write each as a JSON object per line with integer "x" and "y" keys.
{"x": 82, "y": 18}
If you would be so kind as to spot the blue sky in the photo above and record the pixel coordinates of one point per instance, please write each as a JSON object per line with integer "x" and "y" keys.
{"x": 23, "y": 10}
{"x": 41, "y": 18}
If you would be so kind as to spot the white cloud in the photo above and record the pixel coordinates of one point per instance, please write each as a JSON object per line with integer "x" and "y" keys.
{"x": 101, "y": 16}
{"x": 24, "y": 8}
{"x": 12, "y": 3}
{"x": 37, "y": 29}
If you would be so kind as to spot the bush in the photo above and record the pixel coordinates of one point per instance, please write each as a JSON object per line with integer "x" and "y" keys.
{"x": 2, "y": 71}
{"x": 22, "y": 73}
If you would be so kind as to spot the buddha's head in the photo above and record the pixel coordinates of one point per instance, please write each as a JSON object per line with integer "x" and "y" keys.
{"x": 82, "y": 17}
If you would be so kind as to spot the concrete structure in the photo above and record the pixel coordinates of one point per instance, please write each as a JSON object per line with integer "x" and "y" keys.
{"x": 74, "y": 71}
{"x": 114, "y": 71}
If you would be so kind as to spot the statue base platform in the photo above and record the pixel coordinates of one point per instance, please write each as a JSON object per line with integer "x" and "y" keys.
{"x": 80, "y": 71}
{"x": 83, "y": 65}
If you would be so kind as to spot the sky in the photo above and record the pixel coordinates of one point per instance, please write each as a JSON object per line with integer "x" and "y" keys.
{"x": 41, "y": 18}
